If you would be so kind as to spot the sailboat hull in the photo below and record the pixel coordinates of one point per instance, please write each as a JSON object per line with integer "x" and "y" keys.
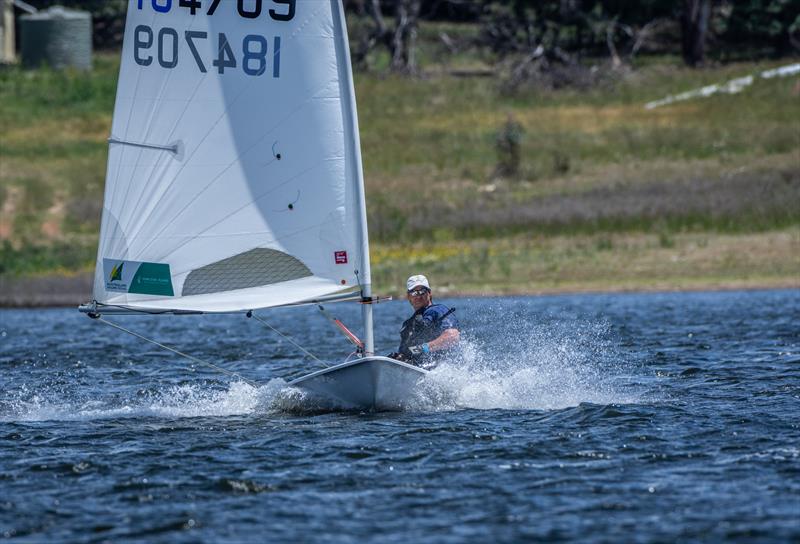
{"x": 370, "y": 383}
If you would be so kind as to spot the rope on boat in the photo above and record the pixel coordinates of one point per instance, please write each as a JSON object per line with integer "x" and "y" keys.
{"x": 190, "y": 357}
{"x": 289, "y": 339}
{"x": 347, "y": 333}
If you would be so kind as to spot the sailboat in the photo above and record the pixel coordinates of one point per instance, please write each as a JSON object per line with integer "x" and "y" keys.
{"x": 234, "y": 179}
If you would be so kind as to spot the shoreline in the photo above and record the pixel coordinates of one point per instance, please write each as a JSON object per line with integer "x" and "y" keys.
{"x": 60, "y": 291}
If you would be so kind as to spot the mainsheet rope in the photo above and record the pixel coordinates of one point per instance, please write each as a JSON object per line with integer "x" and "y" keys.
{"x": 289, "y": 339}
{"x": 187, "y": 356}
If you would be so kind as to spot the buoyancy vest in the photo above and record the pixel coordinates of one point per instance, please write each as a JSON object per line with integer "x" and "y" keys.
{"x": 425, "y": 325}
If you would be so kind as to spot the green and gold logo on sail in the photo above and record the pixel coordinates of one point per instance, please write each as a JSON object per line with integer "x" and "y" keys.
{"x": 138, "y": 277}
{"x": 116, "y": 272}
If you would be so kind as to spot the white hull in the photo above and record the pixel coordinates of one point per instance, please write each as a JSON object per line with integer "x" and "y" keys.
{"x": 371, "y": 383}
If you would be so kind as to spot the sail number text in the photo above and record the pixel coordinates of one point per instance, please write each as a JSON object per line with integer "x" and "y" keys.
{"x": 253, "y": 57}
{"x": 279, "y": 10}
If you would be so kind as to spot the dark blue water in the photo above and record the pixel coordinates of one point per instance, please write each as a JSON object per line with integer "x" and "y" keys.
{"x": 610, "y": 418}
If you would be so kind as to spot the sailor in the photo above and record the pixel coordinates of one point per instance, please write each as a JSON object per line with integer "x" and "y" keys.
{"x": 431, "y": 332}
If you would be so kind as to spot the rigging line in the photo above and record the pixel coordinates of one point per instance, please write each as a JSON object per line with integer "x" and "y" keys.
{"x": 190, "y": 357}
{"x": 358, "y": 280}
{"x": 295, "y": 344}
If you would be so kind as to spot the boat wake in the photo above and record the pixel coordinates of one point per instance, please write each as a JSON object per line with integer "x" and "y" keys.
{"x": 545, "y": 368}
{"x": 178, "y": 401}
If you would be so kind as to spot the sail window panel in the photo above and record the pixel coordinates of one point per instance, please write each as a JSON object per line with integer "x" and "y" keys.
{"x": 253, "y": 268}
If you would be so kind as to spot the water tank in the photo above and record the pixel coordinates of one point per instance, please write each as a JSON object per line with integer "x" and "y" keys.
{"x": 57, "y": 37}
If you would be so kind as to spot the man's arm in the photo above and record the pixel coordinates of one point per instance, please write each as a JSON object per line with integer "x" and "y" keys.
{"x": 448, "y": 338}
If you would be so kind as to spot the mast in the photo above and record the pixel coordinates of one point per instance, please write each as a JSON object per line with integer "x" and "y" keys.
{"x": 351, "y": 118}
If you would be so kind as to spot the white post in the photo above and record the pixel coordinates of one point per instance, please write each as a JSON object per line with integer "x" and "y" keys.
{"x": 7, "y": 52}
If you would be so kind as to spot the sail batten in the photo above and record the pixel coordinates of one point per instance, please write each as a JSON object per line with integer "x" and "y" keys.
{"x": 234, "y": 179}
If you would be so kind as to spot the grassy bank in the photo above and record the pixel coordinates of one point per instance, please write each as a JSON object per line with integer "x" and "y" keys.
{"x": 693, "y": 192}
{"x": 535, "y": 264}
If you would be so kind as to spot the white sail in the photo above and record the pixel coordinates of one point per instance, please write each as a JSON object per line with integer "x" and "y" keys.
{"x": 234, "y": 175}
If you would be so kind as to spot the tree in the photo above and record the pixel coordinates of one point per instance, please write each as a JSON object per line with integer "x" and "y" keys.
{"x": 694, "y": 27}
{"x": 400, "y": 40}
{"x": 557, "y": 43}
{"x": 755, "y": 28}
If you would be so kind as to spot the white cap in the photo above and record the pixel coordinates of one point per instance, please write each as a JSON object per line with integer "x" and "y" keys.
{"x": 417, "y": 281}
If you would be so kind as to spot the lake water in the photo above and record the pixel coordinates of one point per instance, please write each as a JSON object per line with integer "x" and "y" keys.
{"x": 609, "y": 418}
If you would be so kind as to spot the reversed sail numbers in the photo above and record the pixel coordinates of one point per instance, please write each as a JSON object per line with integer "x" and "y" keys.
{"x": 254, "y": 50}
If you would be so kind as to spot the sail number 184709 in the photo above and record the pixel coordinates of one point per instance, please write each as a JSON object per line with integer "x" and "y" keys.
{"x": 163, "y": 47}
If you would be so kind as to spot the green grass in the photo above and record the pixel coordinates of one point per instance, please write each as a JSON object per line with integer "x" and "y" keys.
{"x": 59, "y": 257}
{"x": 30, "y": 95}
{"x": 727, "y": 164}
{"x": 447, "y": 126}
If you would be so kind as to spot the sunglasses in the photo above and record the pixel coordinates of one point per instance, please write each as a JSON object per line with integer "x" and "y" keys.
{"x": 418, "y": 292}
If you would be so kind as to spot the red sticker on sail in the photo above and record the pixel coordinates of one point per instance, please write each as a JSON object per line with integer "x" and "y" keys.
{"x": 340, "y": 257}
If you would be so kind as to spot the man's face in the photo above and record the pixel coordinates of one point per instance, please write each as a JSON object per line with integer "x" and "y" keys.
{"x": 419, "y": 297}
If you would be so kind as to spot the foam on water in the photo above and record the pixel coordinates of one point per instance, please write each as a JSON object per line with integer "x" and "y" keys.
{"x": 533, "y": 367}
{"x": 177, "y": 401}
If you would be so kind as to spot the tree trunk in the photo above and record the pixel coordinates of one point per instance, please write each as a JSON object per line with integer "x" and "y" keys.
{"x": 401, "y": 41}
{"x": 404, "y": 41}
{"x": 694, "y": 26}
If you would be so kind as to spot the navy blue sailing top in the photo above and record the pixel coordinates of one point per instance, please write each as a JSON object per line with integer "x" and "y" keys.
{"x": 425, "y": 325}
